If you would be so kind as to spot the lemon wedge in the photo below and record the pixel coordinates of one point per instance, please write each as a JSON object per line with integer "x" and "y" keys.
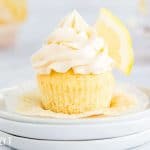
{"x": 117, "y": 38}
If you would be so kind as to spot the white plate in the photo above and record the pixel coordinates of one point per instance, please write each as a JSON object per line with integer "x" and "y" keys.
{"x": 74, "y": 131}
{"x": 121, "y": 143}
{"x": 77, "y": 129}
{"x": 4, "y": 113}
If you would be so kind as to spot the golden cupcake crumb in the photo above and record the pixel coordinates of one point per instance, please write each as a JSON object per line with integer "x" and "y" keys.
{"x": 74, "y": 93}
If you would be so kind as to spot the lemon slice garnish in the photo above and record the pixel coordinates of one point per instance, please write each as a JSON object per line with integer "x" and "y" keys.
{"x": 117, "y": 38}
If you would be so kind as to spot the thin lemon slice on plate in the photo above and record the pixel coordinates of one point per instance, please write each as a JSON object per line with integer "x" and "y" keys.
{"x": 117, "y": 38}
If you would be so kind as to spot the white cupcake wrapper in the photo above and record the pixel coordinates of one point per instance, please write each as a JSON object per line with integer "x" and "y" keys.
{"x": 13, "y": 99}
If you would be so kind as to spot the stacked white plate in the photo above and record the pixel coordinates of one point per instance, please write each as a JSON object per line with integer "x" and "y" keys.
{"x": 112, "y": 133}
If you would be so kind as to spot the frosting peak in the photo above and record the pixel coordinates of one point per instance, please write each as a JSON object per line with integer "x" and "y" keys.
{"x": 73, "y": 45}
{"x": 74, "y": 21}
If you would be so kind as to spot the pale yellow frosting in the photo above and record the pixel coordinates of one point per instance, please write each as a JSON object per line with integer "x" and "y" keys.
{"x": 73, "y": 45}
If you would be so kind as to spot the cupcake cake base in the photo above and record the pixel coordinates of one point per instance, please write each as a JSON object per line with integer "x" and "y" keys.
{"x": 71, "y": 93}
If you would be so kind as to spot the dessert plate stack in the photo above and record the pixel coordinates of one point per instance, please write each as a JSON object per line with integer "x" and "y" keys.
{"x": 118, "y": 133}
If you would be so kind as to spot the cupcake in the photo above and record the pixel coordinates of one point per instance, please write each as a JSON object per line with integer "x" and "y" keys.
{"x": 74, "y": 69}
{"x": 7, "y": 35}
{"x": 12, "y": 13}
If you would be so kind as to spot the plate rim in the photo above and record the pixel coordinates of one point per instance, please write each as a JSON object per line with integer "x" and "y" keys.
{"x": 30, "y": 119}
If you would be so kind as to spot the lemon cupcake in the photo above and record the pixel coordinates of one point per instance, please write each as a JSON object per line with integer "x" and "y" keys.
{"x": 12, "y": 13}
{"x": 74, "y": 69}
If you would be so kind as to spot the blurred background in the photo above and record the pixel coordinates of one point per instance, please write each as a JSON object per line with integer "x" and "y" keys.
{"x": 24, "y": 24}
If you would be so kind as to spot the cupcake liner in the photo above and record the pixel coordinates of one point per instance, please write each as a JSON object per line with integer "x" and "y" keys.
{"x": 25, "y": 99}
{"x": 73, "y": 94}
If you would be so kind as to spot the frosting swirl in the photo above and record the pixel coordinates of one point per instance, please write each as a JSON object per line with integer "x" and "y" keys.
{"x": 73, "y": 45}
